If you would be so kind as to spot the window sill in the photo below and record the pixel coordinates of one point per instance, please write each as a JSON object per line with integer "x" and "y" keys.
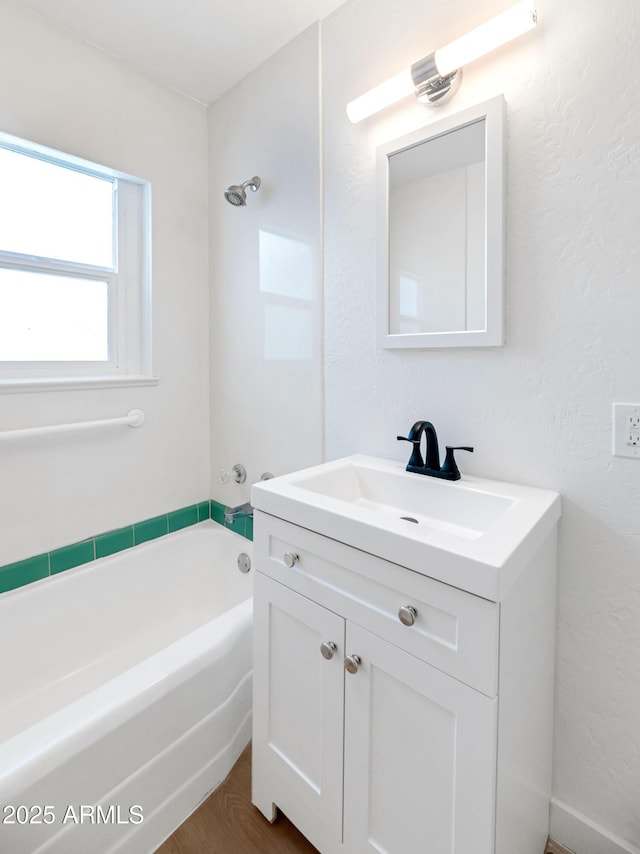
{"x": 36, "y": 384}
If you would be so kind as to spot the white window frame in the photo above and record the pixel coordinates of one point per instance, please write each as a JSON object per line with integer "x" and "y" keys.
{"x": 129, "y": 284}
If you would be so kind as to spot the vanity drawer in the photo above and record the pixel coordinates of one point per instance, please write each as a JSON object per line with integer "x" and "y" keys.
{"x": 452, "y": 630}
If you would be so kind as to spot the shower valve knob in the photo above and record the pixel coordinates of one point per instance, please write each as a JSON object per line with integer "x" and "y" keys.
{"x": 239, "y": 473}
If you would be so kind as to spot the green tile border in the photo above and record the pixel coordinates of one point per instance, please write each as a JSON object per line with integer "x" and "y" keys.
{"x": 71, "y": 556}
{"x": 217, "y": 512}
{"x": 114, "y": 541}
{"x": 150, "y": 529}
{"x": 14, "y": 575}
{"x": 183, "y": 518}
{"x": 23, "y": 572}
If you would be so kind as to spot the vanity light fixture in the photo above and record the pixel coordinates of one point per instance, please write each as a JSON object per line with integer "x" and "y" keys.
{"x": 436, "y": 77}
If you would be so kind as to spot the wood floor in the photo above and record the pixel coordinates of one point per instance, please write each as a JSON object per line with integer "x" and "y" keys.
{"x": 556, "y": 848}
{"x": 228, "y": 823}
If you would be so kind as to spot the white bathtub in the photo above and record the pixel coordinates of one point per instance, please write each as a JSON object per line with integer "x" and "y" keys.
{"x": 125, "y": 683}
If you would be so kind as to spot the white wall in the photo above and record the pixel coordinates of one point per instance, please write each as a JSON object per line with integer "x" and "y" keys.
{"x": 266, "y": 309}
{"x": 538, "y": 410}
{"x": 60, "y": 92}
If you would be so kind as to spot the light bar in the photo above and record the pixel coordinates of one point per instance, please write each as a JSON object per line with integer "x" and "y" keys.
{"x": 387, "y": 93}
{"x": 436, "y": 77}
{"x": 485, "y": 38}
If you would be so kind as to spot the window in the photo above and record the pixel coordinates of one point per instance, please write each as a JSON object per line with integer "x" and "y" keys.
{"x": 74, "y": 269}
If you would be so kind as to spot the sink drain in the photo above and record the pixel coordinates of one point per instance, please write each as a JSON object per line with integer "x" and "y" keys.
{"x": 409, "y": 519}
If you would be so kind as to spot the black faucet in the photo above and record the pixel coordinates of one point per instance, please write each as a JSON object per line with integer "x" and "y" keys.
{"x": 449, "y": 469}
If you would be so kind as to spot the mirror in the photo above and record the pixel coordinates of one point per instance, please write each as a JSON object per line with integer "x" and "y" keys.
{"x": 440, "y": 233}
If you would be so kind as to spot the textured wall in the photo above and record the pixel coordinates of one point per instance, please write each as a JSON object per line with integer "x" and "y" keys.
{"x": 538, "y": 410}
{"x": 61, "y": 92}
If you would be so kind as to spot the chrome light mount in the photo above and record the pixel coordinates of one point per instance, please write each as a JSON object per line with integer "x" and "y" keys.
{"x": 431, "y": 87}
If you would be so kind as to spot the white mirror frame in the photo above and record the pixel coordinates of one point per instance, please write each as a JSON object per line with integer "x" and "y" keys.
{"x": 492, "y": 112}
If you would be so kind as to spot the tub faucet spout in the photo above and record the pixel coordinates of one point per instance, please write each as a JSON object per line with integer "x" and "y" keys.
{"x": 239, "y": 512}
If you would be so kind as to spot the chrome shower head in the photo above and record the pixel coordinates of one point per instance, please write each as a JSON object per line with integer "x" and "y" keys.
{"x": 236, "y": 194}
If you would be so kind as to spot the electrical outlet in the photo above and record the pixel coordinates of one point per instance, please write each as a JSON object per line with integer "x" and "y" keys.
{"x": 626, "y": 430}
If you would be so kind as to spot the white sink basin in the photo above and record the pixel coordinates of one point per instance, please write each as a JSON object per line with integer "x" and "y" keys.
{"x": 474, "y": 533}
{"x": 426, "y": 501}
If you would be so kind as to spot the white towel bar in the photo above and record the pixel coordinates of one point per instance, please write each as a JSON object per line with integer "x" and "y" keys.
{"x": 133, "y": 418}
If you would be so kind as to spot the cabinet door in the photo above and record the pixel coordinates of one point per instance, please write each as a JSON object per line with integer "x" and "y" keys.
{"x": 298, "y": 711}
{"x": 419, "y": 756}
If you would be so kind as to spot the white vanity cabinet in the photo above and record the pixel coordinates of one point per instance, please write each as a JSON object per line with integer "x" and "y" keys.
{"x": 419, "y": 755}
{"x": 395, "y": 713}
{"x": 298, "y": 711}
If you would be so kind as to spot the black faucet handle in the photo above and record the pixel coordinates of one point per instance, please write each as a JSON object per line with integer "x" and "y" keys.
{"x": 450, "y": 466}
{"x": 416, "y": 456}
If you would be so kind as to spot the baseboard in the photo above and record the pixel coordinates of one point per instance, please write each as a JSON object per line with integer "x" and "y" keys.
{"x": 581, "y": 835}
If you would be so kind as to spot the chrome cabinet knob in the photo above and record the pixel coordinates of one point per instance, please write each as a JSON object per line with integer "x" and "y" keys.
{"x": 407, "y": 615}
{"x": 291, "y": 559}
{"x": 327, "y": 648}
{"x": 352, "y": 663}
